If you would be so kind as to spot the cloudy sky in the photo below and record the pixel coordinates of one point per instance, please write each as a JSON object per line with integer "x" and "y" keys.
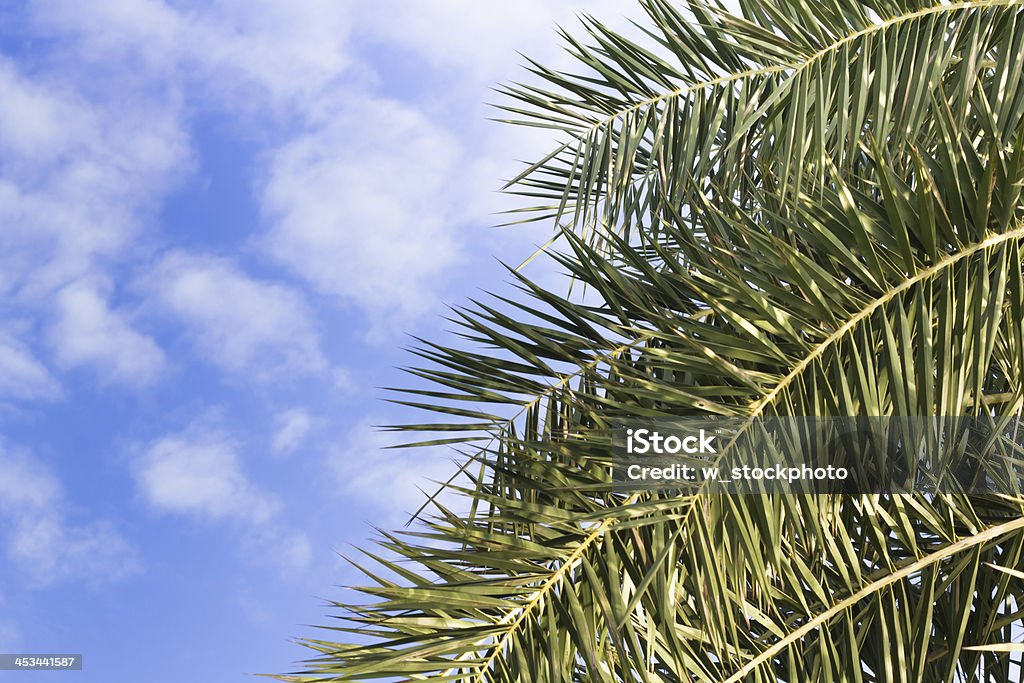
{"x": 219, "y": 221}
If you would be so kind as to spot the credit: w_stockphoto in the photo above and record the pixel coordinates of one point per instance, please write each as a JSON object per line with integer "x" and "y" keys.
{"x": 546, "y": 341}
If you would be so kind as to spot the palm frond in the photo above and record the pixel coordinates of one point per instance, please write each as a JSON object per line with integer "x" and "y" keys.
{"x": 883, "y": 277}
{"x": 720, "y": 100}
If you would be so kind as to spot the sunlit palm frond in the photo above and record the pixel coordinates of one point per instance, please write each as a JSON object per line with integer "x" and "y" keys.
{"x": 711, "y": 99}
{"x": 888, "y": 281}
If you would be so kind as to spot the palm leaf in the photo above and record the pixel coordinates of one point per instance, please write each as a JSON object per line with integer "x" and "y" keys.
{"x": 882, "y": 275}
{"x": 720, "y": 99}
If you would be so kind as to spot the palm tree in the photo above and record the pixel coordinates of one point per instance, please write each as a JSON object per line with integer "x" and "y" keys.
{"x": 813, "y": 208}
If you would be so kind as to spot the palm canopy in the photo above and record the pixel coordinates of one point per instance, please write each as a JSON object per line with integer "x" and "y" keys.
{"x": 813, "y": 209}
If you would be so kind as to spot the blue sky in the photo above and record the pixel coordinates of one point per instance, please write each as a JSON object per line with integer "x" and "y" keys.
{"x": 220, "y": 220}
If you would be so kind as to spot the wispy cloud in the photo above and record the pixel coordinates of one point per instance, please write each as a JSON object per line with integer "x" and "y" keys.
{"x": 42, "y": 541}
{"x": 22, "y": 376}
{"x": 481, "y": 41}
{"x": 243, "y": 325}
{"x": 357, "y": 206}
{"x": 366, "y": 197}
{"x": 198, "y": 473}
{"x": 237, "y": 52}
{"x": 87, "y": 332}
{"x": 291, "y": 428}
{"x": 78, "y": 178}
{"x": 389, "y": 485}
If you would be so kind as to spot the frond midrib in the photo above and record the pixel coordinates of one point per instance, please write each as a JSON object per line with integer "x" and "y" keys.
{"x": 890, "y": 294}
{"x": 516, "y": 617}
{"x": 795, "y": 67}
{"x": 980, "y": 538}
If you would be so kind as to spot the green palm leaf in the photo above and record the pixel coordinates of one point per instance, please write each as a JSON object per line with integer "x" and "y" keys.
{"x": 831, "y": 224}
{"x": 719, "y": 100}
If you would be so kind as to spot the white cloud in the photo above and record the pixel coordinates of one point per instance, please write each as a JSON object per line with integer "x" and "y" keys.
{"x": 373, "y": 203}
{"x": 52, "y": 551}
{"x": 233, "y": 47}
{"x": 241, "y": 324}
{"x": 147, "y": 28}
{"x": 199, "y": 473}
{"x": 525, "y": 26}
{"x": 42, "y": 542}
{"x": 79, "y": 176}
{"x": 389, "y": 484}
{"x": 367, "y": 197}
{"x": 77, "y": 179}
{"x": 88, "y": 333}
{"x": 22, "y": 376}
{"x": 286, "y": 47}
{"x": 359, "y": 206}
{"x": 32, "y": 124}
{"x": 291, "y": 429}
